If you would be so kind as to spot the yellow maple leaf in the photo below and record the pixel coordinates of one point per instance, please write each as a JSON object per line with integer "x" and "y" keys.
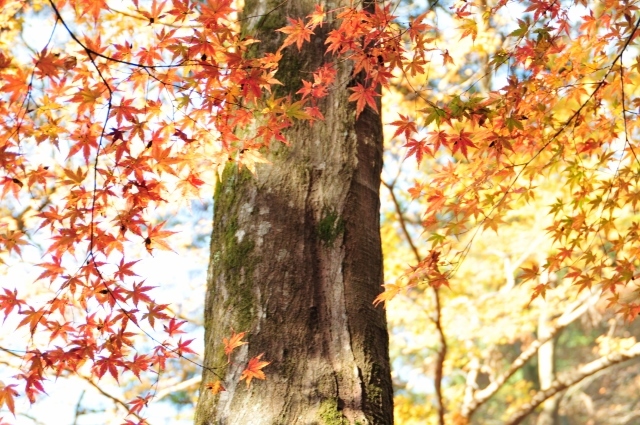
{"x": 215, "y": 387}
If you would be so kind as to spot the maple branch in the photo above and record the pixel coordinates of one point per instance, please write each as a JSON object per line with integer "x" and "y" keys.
{"x": 11, "y": 352}
{"x": 175, "y": 351}
{"x": 574, "y": 311}
{"x": 113, "y": 398}
{"x": 104, "y": 127}
{"x": 20, "y": 217}
{"x": 142, "y": 18}
{"x": 624, "y": 113}
{"x": 555, "y": 135}
{"x": 91, "y": 52}
{"x": 569, "y": 379}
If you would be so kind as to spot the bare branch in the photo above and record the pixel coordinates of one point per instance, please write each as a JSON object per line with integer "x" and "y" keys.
{"x": 78, "y": 407}
{"x": 569, "y": 379}
{"x": 576, "y": 310}
{"x": 113, "y": 398}
{"x": 184, "y": 385}
{"x": 442, "y": 354}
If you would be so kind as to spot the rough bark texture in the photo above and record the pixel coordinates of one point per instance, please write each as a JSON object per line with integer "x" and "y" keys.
{"x": 296, "y": 261}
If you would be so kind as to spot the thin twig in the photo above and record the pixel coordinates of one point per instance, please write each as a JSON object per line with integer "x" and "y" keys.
{"x": 442, "y": 351}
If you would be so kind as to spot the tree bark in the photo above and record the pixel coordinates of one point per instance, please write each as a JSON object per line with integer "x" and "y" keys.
{"x": 296, "y": 261}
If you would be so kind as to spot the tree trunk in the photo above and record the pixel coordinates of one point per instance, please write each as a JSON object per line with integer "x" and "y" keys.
{"x": 546, "y": 369}
{"x": 296, "y": 261}
{"x": 546, "y": 359}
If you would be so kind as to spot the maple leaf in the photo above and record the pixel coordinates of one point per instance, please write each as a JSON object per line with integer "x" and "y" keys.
{"x": 363, "y": 96}
{"x": 12, "y": 240}
{"x": 11, "y": 184}
{"x": 297, "y": 32}
{"x": 446, "y": 58}
{"x": 405, "y": 125}
{"x": 183, "y": 347}
{"x": 124, "y": 269}
{"x": 540, "y": 290}
{"x": 15, "y": 84}
{"x": 32, "y": 318}
{"x": 107, "y": 364}
{"x": 254, "y": 369}
{"x": 7, "y": 394}
{"x": 123, "y": 111}
{"x": 155, "y": 14}
{"x": 181, "y": 9}
{"x": 173, "y": 327}
{"x": 316, "y": 17}
{"x": 530, "y": 273}
{"x": 137, "y": 294}
{"x": 9, "y": 301}
{"x": 469, "y": 27}
{"x": 461, "y": 142}
{"x": 155, "y": 238}
{"x": 215, "y": 387}
{"x": 155, "y": 311}
{"x": 138, "y": 404}
{"x": 417, "y": 148}
{"x": 140, "y": 363}
{"x": 47, "y": 64}
{"x": 390, "y": 291}
{"x": 232, "y": 343}
{"x": 91, "y": 7}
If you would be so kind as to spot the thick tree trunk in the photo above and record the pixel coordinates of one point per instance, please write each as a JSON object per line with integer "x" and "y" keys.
{"x": 296, "y": 262}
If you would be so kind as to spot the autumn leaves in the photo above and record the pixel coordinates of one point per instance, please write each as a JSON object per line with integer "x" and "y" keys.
{"x": 253, "y": 369}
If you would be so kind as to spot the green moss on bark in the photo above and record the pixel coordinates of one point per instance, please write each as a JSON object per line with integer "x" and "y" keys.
{"x": 234, "y": 255}
{"x": 330, "y": 227}
{"x": 330, "y": 414}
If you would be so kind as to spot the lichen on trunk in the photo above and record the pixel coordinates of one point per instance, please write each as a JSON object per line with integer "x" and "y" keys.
{"x": 296, "y": 262}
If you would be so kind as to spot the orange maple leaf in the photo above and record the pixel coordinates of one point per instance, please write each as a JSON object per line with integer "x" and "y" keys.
{"x": 317, "y": 17}
{"x": 232, "y": 343}
{"x": 363, "y": 96}
{"x": 214, "y": 387}
{"x": 253, "y": 369}
{"x": 446, "y": 58}
{"x": 7, "y": 394}
{"x": 297, "y": 32}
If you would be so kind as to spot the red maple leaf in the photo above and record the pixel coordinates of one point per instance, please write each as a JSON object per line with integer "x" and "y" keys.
{"x": 155, "y": 238}
{"x": 461, "y": 142}
{"x": 418, "y": 148}
{"x": 363, "y": 96}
